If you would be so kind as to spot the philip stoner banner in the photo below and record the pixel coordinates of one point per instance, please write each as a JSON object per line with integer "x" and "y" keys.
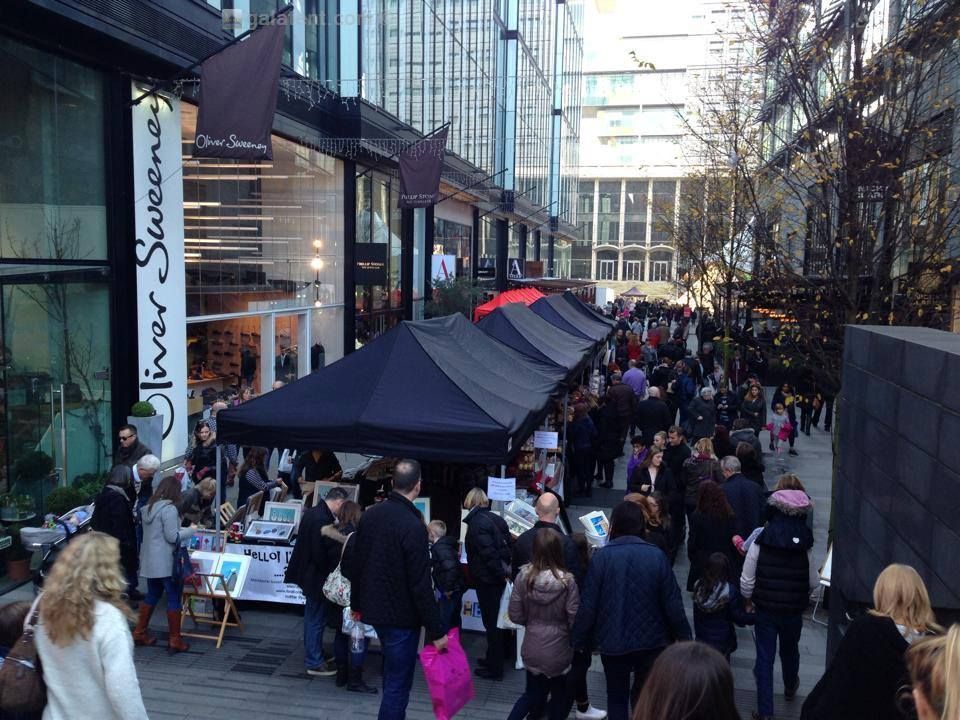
{"x": 238, "y": 96}
{"x": 420, "y": 168}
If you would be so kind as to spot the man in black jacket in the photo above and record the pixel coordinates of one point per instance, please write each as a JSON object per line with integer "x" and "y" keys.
{"x": 548, "y": 511}
{"x": 652, "y": 416}
{"x": 744, "y": 496}
{"x": 130, "y": 448}
{"x": 113, "y": 515}
{"x": 315, "y": 555}
{"x": 389, "y": 570}
{"x": 674, "y": 455}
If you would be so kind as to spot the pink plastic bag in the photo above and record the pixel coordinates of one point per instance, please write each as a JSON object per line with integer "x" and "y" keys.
{"x": 448, "y": 676}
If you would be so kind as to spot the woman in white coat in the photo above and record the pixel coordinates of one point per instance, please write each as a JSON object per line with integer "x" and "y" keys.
{"x": 83, "y": 637}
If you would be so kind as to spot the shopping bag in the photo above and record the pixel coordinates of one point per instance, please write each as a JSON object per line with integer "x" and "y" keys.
{"x": 349, "y": 622}
{"x": 448, "y": 676}
{"x": 503, "y": 616}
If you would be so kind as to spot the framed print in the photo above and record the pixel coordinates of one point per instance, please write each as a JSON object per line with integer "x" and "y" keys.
{"x": 423, "y": 505}
{"x": 322, "y": 487}
{"x": 254, "y": 503}
{"x": 234, "y": 570}
{"x": 276, "y": 512}
{"x": 263, "y": 530}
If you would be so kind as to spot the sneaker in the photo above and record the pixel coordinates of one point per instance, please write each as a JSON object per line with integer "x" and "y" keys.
{"x": 591, "y": 713}
{"x": 326, "y": 669}
{"x": 791, "y": 692}
{"x": 793, "y": 452}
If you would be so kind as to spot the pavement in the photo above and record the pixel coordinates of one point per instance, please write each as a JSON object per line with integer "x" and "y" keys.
{"x": 258, "y": 672}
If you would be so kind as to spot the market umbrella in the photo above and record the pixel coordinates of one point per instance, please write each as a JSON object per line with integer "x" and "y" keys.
{"x": 634, "y": 292}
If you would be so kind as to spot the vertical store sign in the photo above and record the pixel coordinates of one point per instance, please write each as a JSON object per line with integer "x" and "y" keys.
{"x": 161, "y": 299}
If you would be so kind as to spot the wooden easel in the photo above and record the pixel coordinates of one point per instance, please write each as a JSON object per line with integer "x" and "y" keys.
{"x": 206, "y": 590}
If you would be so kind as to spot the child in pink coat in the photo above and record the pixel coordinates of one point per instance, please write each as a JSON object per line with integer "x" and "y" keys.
{"x": 779, "y": 427}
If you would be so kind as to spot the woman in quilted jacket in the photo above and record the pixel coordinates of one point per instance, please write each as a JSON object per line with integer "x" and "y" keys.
{"x": 545, "y": 600}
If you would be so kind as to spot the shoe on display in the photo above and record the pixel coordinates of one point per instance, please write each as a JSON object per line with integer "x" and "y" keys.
{"x": 591, "y": 713}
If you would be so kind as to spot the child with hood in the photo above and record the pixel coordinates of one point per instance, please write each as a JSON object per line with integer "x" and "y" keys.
{"x": 717, "y": 606}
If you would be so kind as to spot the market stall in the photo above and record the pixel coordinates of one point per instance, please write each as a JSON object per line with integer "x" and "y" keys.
{"x": 523, "y": 330}
{"x": 588, "y": 310}
{"x": 557, "y": 311}
{"x": 526, "y": 296}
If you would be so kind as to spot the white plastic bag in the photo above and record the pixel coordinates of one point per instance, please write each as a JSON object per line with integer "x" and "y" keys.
{"x": 503, "y": 617}
{"x": 349, "y": 622}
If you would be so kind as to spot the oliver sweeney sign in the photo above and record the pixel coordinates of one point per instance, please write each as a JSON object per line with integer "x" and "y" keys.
{"x": 161, "y": 313}
{"x": 238, "y": 96}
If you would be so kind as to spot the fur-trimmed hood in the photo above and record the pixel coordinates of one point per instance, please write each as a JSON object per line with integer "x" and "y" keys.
{"x": 791, "y": 502}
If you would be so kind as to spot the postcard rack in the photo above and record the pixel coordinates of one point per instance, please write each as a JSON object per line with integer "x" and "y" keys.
{"x": 230, "y": 616}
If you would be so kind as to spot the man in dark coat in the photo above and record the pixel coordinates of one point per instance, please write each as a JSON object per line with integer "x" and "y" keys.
{"x": 744, "y": 496}
{"x": 624, "y": 401}
{"x": 652, "y": 416}
{"x": 130, "y": 448}
{"x": 315, "y": 556}
{"x": 548, "y": 512}
{"x": 675, "y": 455}
{"x": 113, "y": 515}
{"x": 389, "y": 571}
{"x": 630, "y": 609}
{"x": 137, "y": 481}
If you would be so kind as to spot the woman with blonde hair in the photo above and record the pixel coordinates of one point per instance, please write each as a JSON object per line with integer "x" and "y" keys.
{"x": 700, "y": 466}
{"x": 869, "y": 668}
{"x": 488, "y": 557}
{"x": 83, "y": 637}
{"x": 934, "y": 666}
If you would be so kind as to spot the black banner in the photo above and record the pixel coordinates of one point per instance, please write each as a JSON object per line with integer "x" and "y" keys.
{"x": 486, "y": 268}
{"x": 420, "y": 168}
{"x": 370, "y": 263}
{"x": 238, "y": 96}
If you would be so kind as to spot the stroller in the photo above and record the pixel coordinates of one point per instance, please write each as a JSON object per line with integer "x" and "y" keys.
{"x": 51, "y": 541}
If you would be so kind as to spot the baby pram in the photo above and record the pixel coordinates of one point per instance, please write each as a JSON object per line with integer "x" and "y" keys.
{"x": 50, "y": 541}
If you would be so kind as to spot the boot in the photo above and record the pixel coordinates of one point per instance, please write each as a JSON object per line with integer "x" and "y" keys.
{"x": 356, "y": 683}
{"x": 342, "y": 674}
{"x": 141, "y": 636}
{"x": 175, "y": 643}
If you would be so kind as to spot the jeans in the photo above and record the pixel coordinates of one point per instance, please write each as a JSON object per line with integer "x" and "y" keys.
{"x": 770, "y": 626}
{"x": 535, "y": 696}
{"x": 621, "y": 696}
{"x": 577, "y": 677}
{"x": 158, "y": 586}
{"x": 314, "y": 620}
{"x": 488, "y": 597}
{"x": 399, "y": 648}
{"x": 450, "y": 608}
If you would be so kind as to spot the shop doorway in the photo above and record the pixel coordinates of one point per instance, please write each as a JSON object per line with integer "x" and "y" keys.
{"x": 55, "y": 420}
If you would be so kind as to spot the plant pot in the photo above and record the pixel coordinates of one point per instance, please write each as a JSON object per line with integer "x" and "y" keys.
{"x": 18, "y": 570}
{"x": 149, "y": 432}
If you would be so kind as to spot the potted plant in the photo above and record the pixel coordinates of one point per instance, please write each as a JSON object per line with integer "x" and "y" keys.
{"x": 143, "y": 416}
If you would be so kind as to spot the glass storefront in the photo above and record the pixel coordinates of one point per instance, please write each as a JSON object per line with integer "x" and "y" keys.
{"x": 55, "y": 405}
{"x": 263, "y": 250}
{"x": 379, "y": 307}
{"x": 453, "y": 238}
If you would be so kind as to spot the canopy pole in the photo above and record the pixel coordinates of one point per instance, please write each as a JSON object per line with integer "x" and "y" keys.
{"x": 217, "y": 499}
{"x": 563, "y": 446}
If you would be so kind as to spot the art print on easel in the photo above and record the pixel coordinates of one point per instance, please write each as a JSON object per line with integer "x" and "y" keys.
{"x": 233, "y": 570}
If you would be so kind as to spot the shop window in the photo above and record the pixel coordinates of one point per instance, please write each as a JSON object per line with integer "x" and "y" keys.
{"x": 52, "y": 167}
{"x": 261, "y": 236}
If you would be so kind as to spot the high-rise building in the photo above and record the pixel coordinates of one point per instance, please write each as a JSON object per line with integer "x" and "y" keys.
{"x": 644, "y": 73}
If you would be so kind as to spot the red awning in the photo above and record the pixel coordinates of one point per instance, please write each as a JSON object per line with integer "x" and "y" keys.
{"x": 527, "y": 296}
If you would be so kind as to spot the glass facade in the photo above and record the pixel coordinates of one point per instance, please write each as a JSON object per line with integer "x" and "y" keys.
{"x": 263, "y": 256}
{"x": 54, "y": 291}
{"x": 379, "y": 307}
